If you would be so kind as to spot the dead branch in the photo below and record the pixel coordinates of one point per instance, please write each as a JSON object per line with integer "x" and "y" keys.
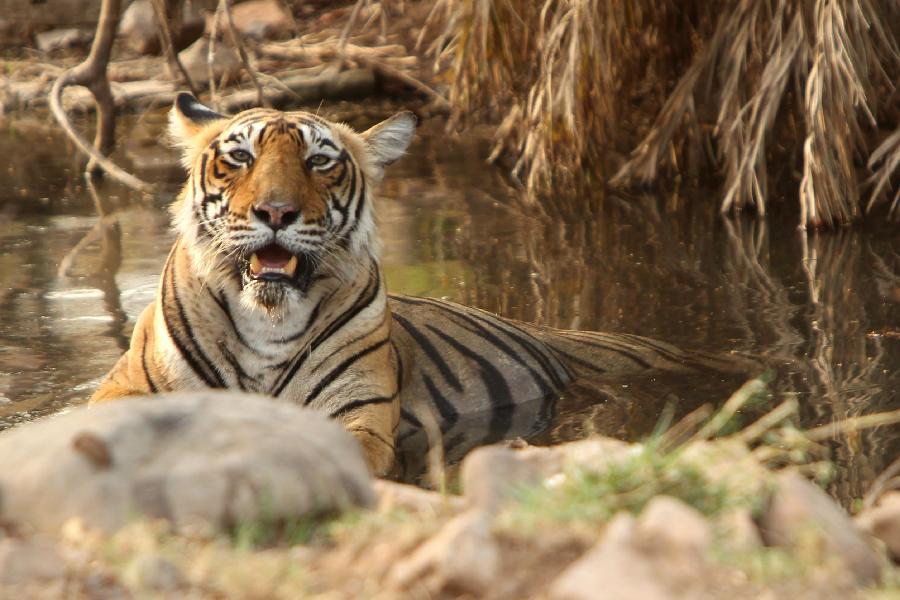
{"x": 346, "y": 84}
{"x": 92, "y": 74}
{"x": 367, "y": 57}
{"x": 242, "y": 51}
{"x": 165, "y": 34}
{"x": 211, "y": 57}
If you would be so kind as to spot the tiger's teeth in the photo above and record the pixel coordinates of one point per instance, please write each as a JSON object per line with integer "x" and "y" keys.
{"x": 255, "y": 265}
{"x": 291, "y": 266}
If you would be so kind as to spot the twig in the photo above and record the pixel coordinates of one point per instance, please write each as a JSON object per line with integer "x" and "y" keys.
{"x": 738, "y": 399}
{"x": 345, "y": 34}
{"x": 239, "y": 44}
{"x": 885, "y": 480}
{"x": 678, "y": 433}
{"x": 853, "y": 424}
{"x": 768, "y": 421}
{"x": 391, "y": 72}
{"x": 211, "y": 57}
{"x": 165, "y": 34}
{"x": 92, "y": 74}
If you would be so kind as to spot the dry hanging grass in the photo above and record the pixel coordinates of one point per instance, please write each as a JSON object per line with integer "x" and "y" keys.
{"x": 748, "y": 89}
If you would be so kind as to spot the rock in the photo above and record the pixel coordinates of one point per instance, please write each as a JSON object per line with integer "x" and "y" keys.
{"x": 194, "y": 59}
{"x": 260, "y": 19}
{"x": 460, "y": 558}
{"x": 613, "y": 569}
{"x": 801, "y": 513}
{"x": 213, "y": 458}
{"x": 29, "y": 561}
{"x": 596, "y": 453}
{"x": 393, "y": 495}
{"x": 153, "y": 572}
{"x": 692, "y": 535}
{"x": 738, "y": 533}
{"x": 661, "y": 555}
{"x": 491, "y": 474}
{"x": 138, "y": 29}
{"x": 60, "y": 39}
{"x": 883, "y": 522}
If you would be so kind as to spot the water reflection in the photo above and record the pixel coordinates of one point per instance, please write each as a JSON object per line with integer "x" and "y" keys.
{"x": 823, "y": 309}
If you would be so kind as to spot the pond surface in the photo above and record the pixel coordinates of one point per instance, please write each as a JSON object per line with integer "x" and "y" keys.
{"x": 823, "y": 309}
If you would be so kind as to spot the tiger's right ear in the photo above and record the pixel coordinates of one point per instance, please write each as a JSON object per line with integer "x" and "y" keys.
{"x": 189, "y": 120}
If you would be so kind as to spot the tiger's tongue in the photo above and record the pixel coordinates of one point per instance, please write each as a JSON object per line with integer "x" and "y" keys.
{"x": 273, "y": 259}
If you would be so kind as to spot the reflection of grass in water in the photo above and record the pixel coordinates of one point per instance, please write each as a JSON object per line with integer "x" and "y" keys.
{"x": 438, "y": 278}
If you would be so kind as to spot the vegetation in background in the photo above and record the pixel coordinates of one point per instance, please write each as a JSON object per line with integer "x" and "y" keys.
{"x": 756, "y": 90}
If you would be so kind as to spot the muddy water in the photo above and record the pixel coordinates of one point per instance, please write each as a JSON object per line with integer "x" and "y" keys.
{"x": 823, "y": 310}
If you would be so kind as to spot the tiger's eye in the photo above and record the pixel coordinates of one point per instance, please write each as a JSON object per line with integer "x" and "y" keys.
{"x": 318, "y": 160}
{"x": 240, "y": 155}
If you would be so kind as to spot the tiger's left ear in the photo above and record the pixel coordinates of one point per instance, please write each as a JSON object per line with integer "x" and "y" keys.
{"x": 388, "y": 140}
{"x": 188, "y": 119}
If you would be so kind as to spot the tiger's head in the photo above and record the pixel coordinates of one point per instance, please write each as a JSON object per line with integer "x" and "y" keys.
{"x": 278, "y": 199}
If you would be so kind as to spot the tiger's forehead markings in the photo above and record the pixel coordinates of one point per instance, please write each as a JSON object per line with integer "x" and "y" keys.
{"x": 255, "y": 125}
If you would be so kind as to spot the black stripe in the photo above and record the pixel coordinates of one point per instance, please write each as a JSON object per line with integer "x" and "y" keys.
{"x": 374, "y": 435}
{"x": 410, "y": 418}
{"x": 313, "y": 316}
{"x": 366, "y": 297}
{"x": 474, "y": 327}
{"x": 191, "y": 355}
{"x": 524, "y": 339}
{"x": 153, "y": 388}
{"x": 226, "y": 308}
{"x": 497, "y": 388}
{"x": 351, "y": 406}
{"x": 232, "y": 360}
{"x": 430, "y": 351}
{"x": 574, "y": 359}
{"x": 610, "y": 348}
{"x": 203, "y": 160}
{"x": 339, "y": 370}
{"x": 445, "y": 408}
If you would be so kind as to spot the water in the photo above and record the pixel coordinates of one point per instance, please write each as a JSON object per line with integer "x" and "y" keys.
{"x": 822, "y": 308}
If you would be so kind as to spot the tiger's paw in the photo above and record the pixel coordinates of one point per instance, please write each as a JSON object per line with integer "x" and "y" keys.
{"x": 378, "y": 449}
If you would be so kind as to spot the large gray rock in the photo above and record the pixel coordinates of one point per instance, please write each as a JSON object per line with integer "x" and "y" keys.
{"x": 213, "y": 458}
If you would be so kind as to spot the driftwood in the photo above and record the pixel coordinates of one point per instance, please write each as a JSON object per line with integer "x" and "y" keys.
{"x": 367, "y": 57}
{"x": 92, "y": 74}
{"x": 344, "y": 84}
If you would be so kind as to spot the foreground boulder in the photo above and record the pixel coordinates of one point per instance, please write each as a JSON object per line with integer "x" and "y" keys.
{"x": 214, "y": 458}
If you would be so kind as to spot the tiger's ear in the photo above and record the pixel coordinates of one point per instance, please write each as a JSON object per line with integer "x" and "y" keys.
{"x": 188, "y": 119}
{"x": 388, "y": 140}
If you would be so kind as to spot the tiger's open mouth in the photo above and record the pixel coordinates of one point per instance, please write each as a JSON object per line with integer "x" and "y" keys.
{"x": 275, "y": 264}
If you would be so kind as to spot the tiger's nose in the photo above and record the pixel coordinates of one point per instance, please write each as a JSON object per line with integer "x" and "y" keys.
{"x": 276, "y": 214}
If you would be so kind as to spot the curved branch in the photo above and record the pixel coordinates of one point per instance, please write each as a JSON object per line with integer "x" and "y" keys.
{"x": 111, "y": 168}
{"x": 92, "y": 74}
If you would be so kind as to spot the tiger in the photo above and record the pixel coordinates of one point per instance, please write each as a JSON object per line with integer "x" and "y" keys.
{"x": 274, "y": 285}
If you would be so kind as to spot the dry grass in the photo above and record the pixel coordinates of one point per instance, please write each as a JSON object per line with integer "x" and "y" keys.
{"x": 736, "y": 87}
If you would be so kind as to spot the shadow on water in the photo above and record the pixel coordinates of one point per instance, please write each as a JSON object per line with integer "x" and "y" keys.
{"x": 822, "y": 309}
